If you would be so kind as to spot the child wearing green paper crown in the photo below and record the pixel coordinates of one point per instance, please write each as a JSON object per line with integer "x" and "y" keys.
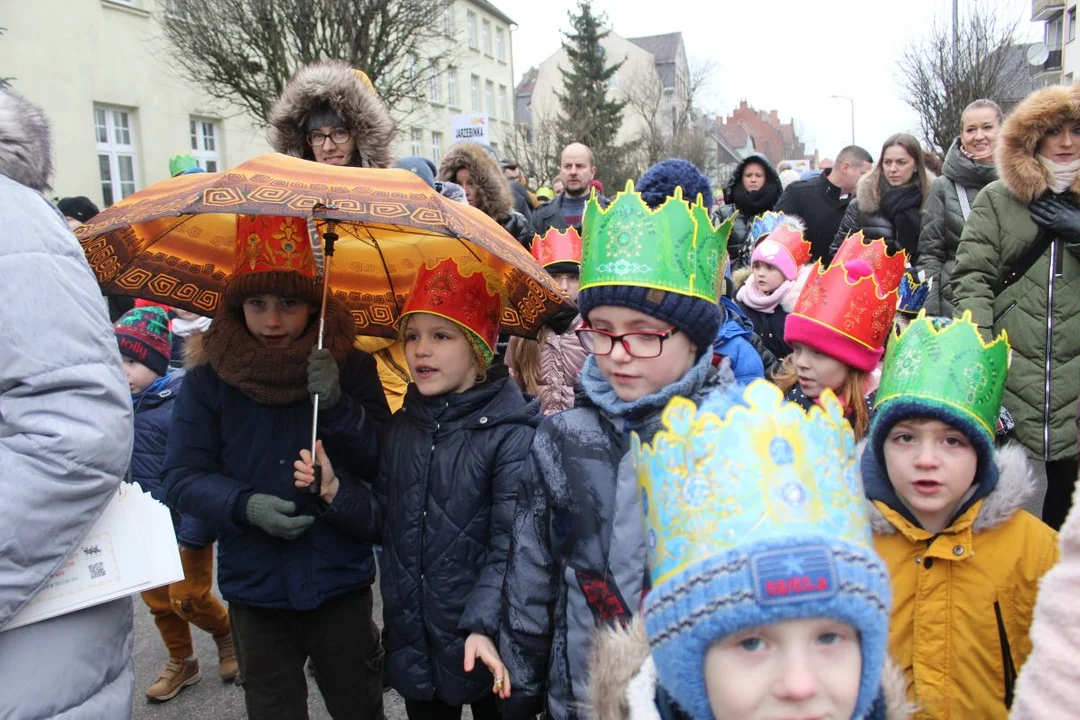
{"x": 768, "y": 600}
{"x": 648, "y": 300}
{"x": 965, "y": 559}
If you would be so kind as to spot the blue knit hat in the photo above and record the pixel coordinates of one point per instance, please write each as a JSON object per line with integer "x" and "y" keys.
{"x": 755, "y": 515}
{"x": 659, "y": 182}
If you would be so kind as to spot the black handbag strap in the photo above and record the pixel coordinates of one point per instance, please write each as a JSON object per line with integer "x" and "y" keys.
{"x": 1043, "y": 240}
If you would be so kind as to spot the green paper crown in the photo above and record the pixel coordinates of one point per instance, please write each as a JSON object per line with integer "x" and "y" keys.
{"x": 946, "y": 363}
{"x": 675, "y": 248}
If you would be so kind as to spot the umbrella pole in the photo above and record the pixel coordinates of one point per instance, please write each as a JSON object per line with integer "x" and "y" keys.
{"x": 329, "y": 238}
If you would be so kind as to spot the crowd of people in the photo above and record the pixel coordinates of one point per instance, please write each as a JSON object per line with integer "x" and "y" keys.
{"x": 777, "y": 464}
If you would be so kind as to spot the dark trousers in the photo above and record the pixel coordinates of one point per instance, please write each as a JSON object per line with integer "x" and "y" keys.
{"x": 1060, "y": 481}
{"x": 485, "y": 709}
{"x": 342, "y": 641}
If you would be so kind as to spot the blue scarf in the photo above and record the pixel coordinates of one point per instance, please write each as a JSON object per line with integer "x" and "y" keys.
{"x": 603, "y": 395}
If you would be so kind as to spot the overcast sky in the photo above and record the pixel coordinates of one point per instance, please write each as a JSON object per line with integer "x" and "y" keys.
{"x": 788, "y": 55}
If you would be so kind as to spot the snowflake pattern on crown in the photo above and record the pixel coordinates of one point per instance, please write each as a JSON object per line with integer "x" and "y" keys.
{"x": 674, "y": 248}
{"x": 946, "y": 361}
{"x": 744, "y": 467}
{"x": 768, "y": 222}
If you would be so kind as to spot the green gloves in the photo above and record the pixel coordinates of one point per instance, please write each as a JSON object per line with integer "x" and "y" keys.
{"x": 275, "y": 516}
{"x": 323, "y": 377}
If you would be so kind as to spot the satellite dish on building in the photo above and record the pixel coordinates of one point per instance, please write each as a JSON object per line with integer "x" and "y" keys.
{"x": 1037, "y": 54}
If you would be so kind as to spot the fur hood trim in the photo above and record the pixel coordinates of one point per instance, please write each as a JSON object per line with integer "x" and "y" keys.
{"x": 348, "y": 93}
{"x": 622, "y": 678}
{"x": 1016, "y": 483}
{"x": 1022, "y": 173}
{"x": 493, "y": 192}
{"x": 868, "y": 191}
{"x": 25, "y": 156}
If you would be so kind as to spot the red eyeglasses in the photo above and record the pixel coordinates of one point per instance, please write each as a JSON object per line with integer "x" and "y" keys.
{"x": 640, "y": 344}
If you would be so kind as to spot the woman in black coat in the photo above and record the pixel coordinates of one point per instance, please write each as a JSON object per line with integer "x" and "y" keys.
{"x": 754, "y": 189}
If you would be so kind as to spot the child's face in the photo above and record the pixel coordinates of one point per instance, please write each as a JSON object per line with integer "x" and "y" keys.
{"x": 440, "y": 357}
{"x": 931, "y": 466}
{"x": 631, "y": 377}
{"x": 569, "y": 282}
{"x": 817, "y": 371}
{"x": 767, "y": 277}
{"x": 139, "y": 377}
{"x": 791, "y": 669}
{"x": 276, "y": 322}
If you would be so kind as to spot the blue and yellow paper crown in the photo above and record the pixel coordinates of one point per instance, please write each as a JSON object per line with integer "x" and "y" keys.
{"x": 674, "y": 248}
{"x": 913, "y": 294}
{"x": 768, "y": 221}
{"x": 712, "y": 480}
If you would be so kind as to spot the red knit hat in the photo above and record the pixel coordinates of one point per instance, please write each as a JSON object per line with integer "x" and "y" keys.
{"x": 143, "y": 335}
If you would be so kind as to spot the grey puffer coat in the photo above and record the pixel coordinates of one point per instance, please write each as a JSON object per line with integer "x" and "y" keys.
{"x": 943, "y": 222}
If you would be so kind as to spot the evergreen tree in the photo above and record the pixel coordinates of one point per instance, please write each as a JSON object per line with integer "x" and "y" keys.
{"x": 586, "y": 114}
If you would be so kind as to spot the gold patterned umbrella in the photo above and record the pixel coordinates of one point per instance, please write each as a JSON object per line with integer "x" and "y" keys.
{"x": 175, "y": 242}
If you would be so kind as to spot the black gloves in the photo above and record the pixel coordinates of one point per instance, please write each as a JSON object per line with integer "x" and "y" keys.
{"x": 275, "y": 516}
{"x": 323, "y": 377}
{"x": 1057, "y": 216}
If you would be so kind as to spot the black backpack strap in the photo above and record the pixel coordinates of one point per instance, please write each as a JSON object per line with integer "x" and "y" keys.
{"x": 1043, "y": 240}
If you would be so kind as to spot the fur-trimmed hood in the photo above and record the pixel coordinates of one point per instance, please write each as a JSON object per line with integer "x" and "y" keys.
{"x": 25, "y": 156}
{"x": 868, "y": 191}
{"x": 1020, "y": 170}
{"x": 334, "y": 85}
{"x": 1014, "y": 486}
{"x": 622, "y": 678}
{"x": 493, "y": 192}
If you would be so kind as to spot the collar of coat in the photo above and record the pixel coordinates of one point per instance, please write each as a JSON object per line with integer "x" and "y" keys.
{"x": 1015, "y": 485}
{"x": 1020, "y": 170}
{"x": 622, "y": 677}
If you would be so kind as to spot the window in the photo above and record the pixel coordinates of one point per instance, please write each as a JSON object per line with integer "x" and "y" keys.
{"x": 417, "y": 140}
{"x": 116, "y": 153}
{"x": 485, "y": 37}
{"x": 504, "y": 109}
{"x": 500, "y": 47}
{"x": 204, "y": 143}
{"x": 470, "y": 29}
{"x": 434, "y": 90}
{"x": 489, "y": 98}
{"x": 410, "y": 69}
{"x": 448, "y": 25}
{"x": 613, "y": 81}
{"x": 495, "y": 148}
{"x": 436, "y": 147}
{"x": 451, "y": 87}
{"x": 1053, "y": 32}
{"x": 474, "y": 81}
{"x": 1072, "y": 24}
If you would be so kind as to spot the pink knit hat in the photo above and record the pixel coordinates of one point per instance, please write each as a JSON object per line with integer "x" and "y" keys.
{"x": 785, "y": 249}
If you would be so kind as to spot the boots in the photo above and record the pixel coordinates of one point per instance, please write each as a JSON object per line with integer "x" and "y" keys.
{"x": 176, "y": 676}
{"x": 228, "y": 668}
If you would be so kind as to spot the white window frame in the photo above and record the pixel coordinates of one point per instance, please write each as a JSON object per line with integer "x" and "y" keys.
{"x": 448, "y": 20}
{"x": 114, "y": 133}
{"x": 207, "y": 154}
{"x": 474, "y": 86}
{"x": 436, "y": 146}
{"x": 470, "y": 30}
{"x": 489, "y": 98}
{"x": 434, "y": 87}
{"x": 417, "y": 141}
{"x": 451, "y": 87}
{"x": 485, "y": 37}
{"x": 500, "y": 44}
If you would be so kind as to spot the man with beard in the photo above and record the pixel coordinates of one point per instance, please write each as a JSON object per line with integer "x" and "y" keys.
{"x": 577, "y": 169}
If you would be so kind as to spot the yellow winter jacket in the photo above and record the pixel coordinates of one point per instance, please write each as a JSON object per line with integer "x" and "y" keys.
{"x": 393, "y": 370}
{"x": 963, "y": 600}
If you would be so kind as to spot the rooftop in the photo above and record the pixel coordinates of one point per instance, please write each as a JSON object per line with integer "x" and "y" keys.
{"x": 665, "y": 48}
{"x": 490, "y": 8}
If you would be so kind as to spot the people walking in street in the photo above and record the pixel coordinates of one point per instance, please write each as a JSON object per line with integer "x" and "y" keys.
{"x": 577, "y": 561}
{"x": 455, "y": 457}
{"x": 144, "y": 340}
{"x": 767, "y": 598}
{"x": 65, "y": 441}
{"x": 969, "y": 167}
{"x": 964, "y": 556}
{"x": 754, "y": 189}
{"x": 1018, "y": 270}
{"x": 577, "y": 168}
{"x": 297, "y": 579}
{"x": 472, "y": 167}
{"x": 889, "y": 199}
{"x": 822, "y": 200}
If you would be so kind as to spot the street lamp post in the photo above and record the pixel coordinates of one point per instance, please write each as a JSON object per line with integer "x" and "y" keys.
{"x": 845, "y": 97}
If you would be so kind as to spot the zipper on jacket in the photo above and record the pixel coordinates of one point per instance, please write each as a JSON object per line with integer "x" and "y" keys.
{"x": 1006, "y": 657}
{"x": 1054, "y": 246}
{"x": 1008, "y": 309}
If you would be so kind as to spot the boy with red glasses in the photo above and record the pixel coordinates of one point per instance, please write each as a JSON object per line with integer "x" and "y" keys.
{"x": 649, "y": 290}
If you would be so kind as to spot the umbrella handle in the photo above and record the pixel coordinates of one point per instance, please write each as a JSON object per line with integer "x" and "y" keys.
{"x": 330, "y": 238}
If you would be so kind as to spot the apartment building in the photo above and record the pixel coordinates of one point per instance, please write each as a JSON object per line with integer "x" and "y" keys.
{"x": 1062, "y": 64}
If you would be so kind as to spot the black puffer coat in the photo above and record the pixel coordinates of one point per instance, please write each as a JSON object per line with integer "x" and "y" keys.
{"x": 449, "y": 478}
{"x": 749, "y": 206}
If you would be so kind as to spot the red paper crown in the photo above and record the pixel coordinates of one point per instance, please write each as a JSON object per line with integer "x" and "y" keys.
{"x": 468, "y": 296}
{"x": 557, "y": 246}
{"x": 269, "y": 243}
{"x": 792, "y": 240}
{"x": 887, "y": 268}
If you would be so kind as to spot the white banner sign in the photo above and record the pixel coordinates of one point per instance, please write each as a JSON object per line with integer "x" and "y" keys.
{"x": 470, "y": 128}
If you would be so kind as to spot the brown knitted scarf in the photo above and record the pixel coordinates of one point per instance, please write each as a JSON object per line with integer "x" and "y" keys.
{"x": 268, "y": 375}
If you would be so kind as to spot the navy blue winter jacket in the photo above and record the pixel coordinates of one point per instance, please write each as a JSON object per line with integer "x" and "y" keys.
{"x": 153, "y": 416}
{"x": 224, "y": 445}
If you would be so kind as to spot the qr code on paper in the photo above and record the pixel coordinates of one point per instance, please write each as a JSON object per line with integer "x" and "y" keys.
{"x": 97, "y": 570}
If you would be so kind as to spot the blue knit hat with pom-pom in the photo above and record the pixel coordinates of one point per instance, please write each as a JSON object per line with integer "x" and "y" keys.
{"x": 659, "y": 183}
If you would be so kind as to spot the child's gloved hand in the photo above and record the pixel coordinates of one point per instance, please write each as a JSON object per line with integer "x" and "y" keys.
{"x": 323, "y": 377}
{"x": 276, "y": 516}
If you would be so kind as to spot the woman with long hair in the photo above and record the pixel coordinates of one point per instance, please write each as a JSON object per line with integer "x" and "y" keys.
{"x": 969, "y": 167}
{"x": 889, "y": 199}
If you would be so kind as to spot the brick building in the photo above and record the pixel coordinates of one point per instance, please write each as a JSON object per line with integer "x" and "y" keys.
{"x": 746, "y": 127}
